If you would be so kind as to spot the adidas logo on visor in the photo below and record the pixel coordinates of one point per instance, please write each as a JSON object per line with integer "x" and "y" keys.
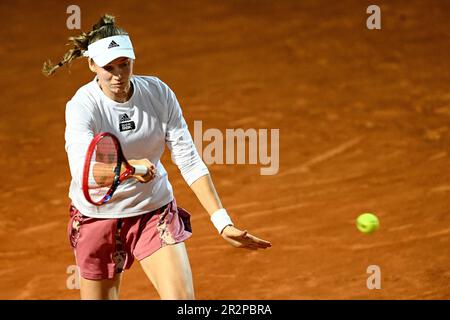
{"x": 113, "y": 44}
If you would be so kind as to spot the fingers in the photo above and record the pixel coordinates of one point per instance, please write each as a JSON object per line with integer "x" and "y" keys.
{"x": 249, "y": 238}
{"x": 259, "y": 242}
{"x": 244, "y": 240}
{"x": 140, "y": 179}
{"x": 151, "y": 170}
{"x": 146, "y": 178}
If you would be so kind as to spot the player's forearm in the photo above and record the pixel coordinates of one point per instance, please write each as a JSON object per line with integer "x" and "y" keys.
{"x": 206, "y": 193}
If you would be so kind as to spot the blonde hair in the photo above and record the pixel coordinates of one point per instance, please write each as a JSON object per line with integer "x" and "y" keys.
{"x": 105, "y": 27}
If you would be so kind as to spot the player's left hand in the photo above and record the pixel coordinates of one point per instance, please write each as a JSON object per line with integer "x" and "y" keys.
{"x": 151, "y": 170}
{"x": 242, "y": 239}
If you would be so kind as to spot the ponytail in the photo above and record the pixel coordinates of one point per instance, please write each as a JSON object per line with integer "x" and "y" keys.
{"x": 105, "y": 27}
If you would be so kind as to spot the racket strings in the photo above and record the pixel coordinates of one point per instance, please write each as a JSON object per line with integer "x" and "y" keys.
{"x": 103, "y": 168}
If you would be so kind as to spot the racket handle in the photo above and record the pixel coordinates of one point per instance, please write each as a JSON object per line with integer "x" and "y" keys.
{"x": 140, "y": 170}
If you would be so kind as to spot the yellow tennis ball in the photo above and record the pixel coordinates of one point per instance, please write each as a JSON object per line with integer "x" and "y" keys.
{"x": 367, "y": 223}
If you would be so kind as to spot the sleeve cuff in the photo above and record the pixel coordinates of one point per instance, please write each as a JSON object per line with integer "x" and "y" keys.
{"x": 195, "y": 174}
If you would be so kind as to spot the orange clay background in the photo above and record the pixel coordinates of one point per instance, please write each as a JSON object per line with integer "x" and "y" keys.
{"x": 364, "y": 119}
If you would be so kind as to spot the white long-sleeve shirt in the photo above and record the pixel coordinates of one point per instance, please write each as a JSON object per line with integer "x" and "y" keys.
{"x": 151, "y": 118}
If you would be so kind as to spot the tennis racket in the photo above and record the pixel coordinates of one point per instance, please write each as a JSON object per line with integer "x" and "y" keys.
{"x": 105, "y": 168}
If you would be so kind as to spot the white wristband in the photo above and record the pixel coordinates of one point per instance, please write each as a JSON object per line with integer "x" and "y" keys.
{"x": 221, "y": 219}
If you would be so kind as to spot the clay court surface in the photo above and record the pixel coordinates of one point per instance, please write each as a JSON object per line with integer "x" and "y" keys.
{"x": 364, "y": 119}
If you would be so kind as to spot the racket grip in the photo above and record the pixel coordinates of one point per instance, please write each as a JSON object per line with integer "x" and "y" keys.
{"x": 140, "y": 170}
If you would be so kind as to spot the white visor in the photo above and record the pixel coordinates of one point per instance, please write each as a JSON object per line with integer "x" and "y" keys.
{"x": 107, "y": 49}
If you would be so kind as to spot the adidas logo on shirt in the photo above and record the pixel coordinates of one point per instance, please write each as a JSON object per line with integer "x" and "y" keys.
{"x": 125, "y": 123}
{"x": 124, "y": 117}
{"x": 113, "y": 44}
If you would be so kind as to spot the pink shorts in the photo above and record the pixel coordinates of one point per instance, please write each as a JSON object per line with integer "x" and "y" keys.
{"x": 105, "y": 247}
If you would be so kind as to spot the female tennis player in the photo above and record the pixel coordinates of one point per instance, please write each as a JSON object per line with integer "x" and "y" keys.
{"x": 142, "y": 221}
